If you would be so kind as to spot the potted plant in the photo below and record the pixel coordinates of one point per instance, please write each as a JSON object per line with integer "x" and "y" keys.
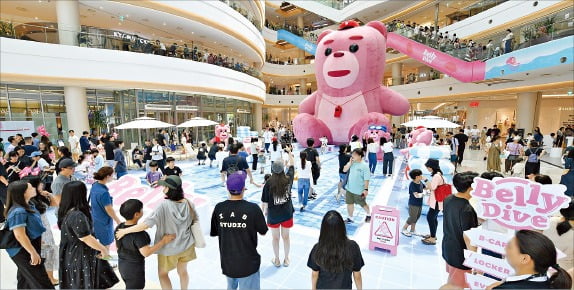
{"x": 7, "y": 29}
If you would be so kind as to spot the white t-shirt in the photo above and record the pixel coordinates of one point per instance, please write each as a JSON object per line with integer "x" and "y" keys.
{"x": 466, "y": 132}
{"x": 42, "y": 163}
{"x": 387, "y": 147}
{"x": 355, "y": 145}
{"x": 474, "y": 132}
{"x": 304, "y": 173}
{"x": 156, "y": 153}
{"x": 219, "y": 156}
{"x": 372, "y": 148}
{"x": 275, "y": 155}
{"x": 268, "y": 136}
{"x": 74, "y": 142}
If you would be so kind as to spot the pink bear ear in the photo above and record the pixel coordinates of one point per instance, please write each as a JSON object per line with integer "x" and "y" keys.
{"x": 378, "y": 26}
{"x": 323, "y": 34}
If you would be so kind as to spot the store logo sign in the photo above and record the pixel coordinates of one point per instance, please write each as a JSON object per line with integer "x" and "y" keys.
{"x": 428, "y": 56}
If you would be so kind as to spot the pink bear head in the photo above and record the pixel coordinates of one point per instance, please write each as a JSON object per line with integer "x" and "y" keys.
{"x": 222, "y": 132}
{"x": 421, "y": 136}
{"x": 377, "y": 132}
{"x": 351, "y": 59}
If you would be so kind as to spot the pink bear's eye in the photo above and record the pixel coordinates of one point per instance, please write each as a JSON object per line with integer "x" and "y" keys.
{"x": 328, "y": 51}
{"x": 354, "y": 48}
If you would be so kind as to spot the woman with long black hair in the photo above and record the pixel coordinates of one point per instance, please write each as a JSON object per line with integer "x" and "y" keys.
{"x": 24, "y": 221}
{"x": 435, "y": 206}
{"x": 531, "y": 254}
{"x": 335, "y": 258}
{"x": 78, "y": 247}
{"x": 278, "y": 207}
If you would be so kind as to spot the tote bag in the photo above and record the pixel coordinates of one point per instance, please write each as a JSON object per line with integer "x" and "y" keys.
{"x": 7, "y": 238}
{"x": 196, "y": 228}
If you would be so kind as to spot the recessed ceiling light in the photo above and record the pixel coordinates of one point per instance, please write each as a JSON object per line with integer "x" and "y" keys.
{"x": 164, "y": 24}
{"x": 192, "y": 32}
{"x": 36, "y": 18}
{"x": 21, "y": 9}
{"x": 119, "y": 23}
{"x": 127, "y": 15}
{"x": 101, "y": 8}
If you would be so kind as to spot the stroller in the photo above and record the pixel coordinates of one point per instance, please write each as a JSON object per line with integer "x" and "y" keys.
{"x": 474, "y": 143}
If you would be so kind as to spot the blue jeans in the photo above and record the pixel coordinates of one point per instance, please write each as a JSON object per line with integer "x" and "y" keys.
{"x": 303, "y": 184}
{"x": 267, "y": 147}
{"x": 372, "y": 161}
{"x": 388, "y": 160}
{"x": 250, "y": 282}
{"x": 120, "y": 174}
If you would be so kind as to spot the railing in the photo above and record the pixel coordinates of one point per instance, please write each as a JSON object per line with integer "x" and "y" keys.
{"x": 127, "y": 42}
{"x": 287, "y": 60}
{"x": 251, "y": 18}
{"x": 337, "y": 4}
{"x": 287, "y": 91}
{"x": 535, "y": 32}
{"x": 307, "y": 32}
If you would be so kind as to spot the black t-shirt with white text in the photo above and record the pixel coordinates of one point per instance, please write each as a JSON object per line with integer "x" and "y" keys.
{"x": 342, "y": 280}
{"x": 458, "y": 216}
{"x": 129, "y": 246}
{"x": 169, "y": 171}
{"x": 280, "y": 209}
{"x": 236, "y": 223}
{"x": 231, "y": 161}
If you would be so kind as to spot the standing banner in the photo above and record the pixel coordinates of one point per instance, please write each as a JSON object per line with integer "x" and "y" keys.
{"x": 385, "y": 224}
{"x": 11, "y": 128}
{"x": 515, "y": 204}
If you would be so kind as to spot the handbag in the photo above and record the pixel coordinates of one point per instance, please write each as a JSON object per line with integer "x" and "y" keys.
{"x": 442, "y": 191}
{"x": 196, "y": 228}
{"x": 7, "y": 238}
{"x": 105, "y": 275}
{"x": 505, "y": 154}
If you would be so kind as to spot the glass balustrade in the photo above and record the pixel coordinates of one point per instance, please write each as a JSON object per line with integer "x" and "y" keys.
{"x": 115, "y": 40}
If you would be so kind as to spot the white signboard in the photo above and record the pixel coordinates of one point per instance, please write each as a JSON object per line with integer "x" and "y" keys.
{"x": 384, "y": 229}
{"x": 11, "y": 128}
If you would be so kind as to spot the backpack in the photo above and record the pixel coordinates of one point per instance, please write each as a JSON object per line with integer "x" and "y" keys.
{"x": 533, "y": 156}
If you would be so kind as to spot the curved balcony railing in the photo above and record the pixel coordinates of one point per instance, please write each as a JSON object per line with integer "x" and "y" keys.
{"x": 245, "y": 13}
{"x": 555, "y": 26}
{"x": 287, "y": 60}
{"x": 306, "y": 32}
{"x": 337, "y": 4}
{"x": 115, "y": 40}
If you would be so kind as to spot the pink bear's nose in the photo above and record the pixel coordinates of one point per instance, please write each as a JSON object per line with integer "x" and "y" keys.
{"x": 338, "y": 54}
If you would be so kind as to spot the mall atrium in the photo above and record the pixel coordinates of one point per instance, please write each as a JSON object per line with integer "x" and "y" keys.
{"x": 93, "y": 65}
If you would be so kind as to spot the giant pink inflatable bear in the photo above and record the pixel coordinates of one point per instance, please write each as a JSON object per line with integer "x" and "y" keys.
{"x": 222, "y": 133}
{"x": 349, "y": 67}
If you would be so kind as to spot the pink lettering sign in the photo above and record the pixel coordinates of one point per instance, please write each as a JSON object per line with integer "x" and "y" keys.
{"x": 488, "y": 239}
{"x": 487, "y": 264}
{"x": 517, "y": 203}
{"x": 478, "y": 281}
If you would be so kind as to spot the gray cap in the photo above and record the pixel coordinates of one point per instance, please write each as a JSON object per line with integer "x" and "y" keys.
{"x": 67, "y": 162}
{"x": 277, "y": 166}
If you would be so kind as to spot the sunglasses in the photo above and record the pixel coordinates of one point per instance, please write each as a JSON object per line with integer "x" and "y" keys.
{"x": 374, "y": 127}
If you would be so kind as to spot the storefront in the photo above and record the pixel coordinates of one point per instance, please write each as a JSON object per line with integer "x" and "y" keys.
{"x": 44, "y": 105}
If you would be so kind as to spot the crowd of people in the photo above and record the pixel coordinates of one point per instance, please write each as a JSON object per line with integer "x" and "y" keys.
{"x": 274, "y": 90}
{"x": 35, "y": 179}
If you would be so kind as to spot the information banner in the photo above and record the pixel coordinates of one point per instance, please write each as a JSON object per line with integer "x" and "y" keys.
{"x": 487, "y": 264}
{"x": 485, "y": 239}
{"x": 478, "y": 281}
{"x": 11, "y": 128}
{"x": 385, "y": 224}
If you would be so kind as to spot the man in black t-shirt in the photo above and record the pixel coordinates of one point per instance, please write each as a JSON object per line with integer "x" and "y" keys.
{"x": 170, "y": 168}
{"x": 236, "y": 222}
{"x": 462, "y": 139}
{"x": 313, "y": 157}
{"x": 458, "y": 217}
{"x": 147, "y": 154}
{"x": 134, "y": 248}
{"x": 234, "y": 163}
{"x": 109, "y": 147}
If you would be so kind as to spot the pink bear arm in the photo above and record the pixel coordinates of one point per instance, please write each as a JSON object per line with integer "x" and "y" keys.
{"x": 308, "y": 104}
{"x": 393, "y": 103}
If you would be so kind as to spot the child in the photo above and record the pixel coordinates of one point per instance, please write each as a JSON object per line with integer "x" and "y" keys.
{"x": 324, "y": 142}
{"x": 153, "y": 176}
{"x": 262, "y": 160}
{"x": 171, "y": 169}
{"x": 135, "y": 247}
{"x": 212, "y": 151}
{"x": 415, "y": 201}
{"x": 201, "y": 152}
{"x": 219, "y": 156}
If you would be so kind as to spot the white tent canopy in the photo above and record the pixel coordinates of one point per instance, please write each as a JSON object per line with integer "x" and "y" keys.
{"x": 430, "y": 122}
{"x": 144, "y": 123}
{"x": 197, "y": 122}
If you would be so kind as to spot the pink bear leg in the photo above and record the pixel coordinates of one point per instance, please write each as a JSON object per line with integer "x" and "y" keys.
{"x": 363, "y": 124}
{"x": 307, "y": 126}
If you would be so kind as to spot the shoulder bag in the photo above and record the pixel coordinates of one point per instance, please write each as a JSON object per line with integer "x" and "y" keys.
{"x": 7, "y": 238}
{"x": 442, "y": 191}
{"x": 196, "y": 227}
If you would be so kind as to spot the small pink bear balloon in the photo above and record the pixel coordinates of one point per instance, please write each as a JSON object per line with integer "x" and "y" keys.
{"x": 349, "y": 67}
{"x": 376, "y": 132}
{"x": 222, "y": 133}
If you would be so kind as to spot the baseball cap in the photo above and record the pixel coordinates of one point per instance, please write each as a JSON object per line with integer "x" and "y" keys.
{"x": 277, "y": 166}
{"x": 236, "y": 182}
{"x": 67, "y": 163}
{"x": 171, "y": 181}
{"x": 36, "y": 153}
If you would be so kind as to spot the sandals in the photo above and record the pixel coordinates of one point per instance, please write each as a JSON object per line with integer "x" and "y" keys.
{"x": 276, "y": 262}
{"x": 429, "y": 241}
{"x": 286, "y": 262}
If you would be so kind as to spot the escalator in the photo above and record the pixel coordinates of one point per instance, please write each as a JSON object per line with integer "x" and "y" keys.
{"x": 299, "y": 42}
{"x": 464, "y": 71}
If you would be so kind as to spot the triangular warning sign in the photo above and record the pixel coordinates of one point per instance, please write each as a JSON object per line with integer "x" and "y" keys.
{"x": 383, "y": 231}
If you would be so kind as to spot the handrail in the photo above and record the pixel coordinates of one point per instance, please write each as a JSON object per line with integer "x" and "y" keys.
{"x": 243, "y": 12}
{"x": 130, "y": 42}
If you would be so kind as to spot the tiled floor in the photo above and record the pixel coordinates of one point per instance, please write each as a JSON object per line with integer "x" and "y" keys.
{"x": 416, "y": 266}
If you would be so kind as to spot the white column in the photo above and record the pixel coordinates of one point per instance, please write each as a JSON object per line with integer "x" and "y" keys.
{"x": 472, "y": 116}
{"x": 77, "y": 109}
{"x": 68, "y": 12}
{"x": 397, "y": 120}
{"x": 397, "y": 73}
{"x": 300, "y": 23}
{"x": 258, "y": 118}
{"x": 303, "y": 87}
{"x": 526, "y": 112}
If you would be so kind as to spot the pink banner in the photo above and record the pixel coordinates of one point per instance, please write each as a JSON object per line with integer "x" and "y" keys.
{"x": 459, "y": 69}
